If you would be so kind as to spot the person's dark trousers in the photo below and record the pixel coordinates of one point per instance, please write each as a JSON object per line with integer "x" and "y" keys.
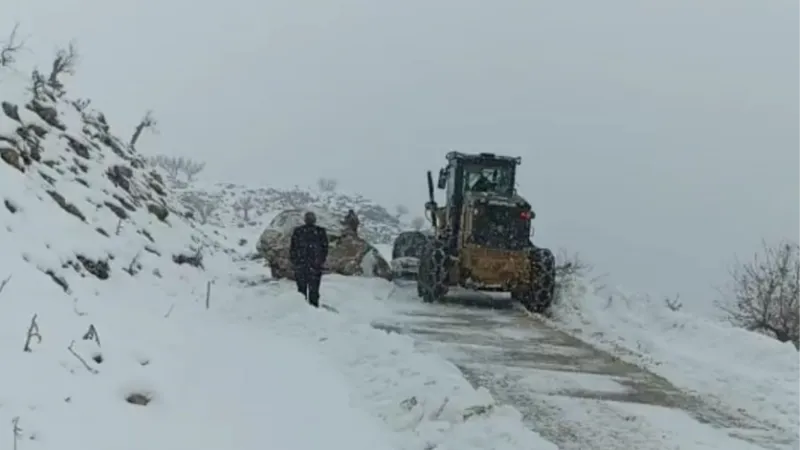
{"x": 308, "y": 282}
{"x": 314, "y": 279}
{"x": 302, "y": 284}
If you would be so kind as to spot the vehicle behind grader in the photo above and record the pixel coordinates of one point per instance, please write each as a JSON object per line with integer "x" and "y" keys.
{"x": 481, "y": 237}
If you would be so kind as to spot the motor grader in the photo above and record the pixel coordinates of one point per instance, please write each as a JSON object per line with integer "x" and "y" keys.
{"x": 481, "y": 237}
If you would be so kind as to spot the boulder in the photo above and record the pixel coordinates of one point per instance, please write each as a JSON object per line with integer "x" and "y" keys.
{"x": 348, "y": 253}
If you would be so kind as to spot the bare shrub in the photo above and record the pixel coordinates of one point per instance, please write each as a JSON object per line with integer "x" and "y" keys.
{"x": 148, "y": 122}
{"x": 763, "y": 294}
{"x": 570, "y": 269}
{"x": 203, "y": 207}
{"x": 10, "y": 47}
{"x": 673, "y": 304}
{"x": 327, "y": 184}
{"x": 192, "y": 168}
{"x": 175, "y": 165}
{"x": 170, "y": 164}
{"x": 245, "y": 205}
{"x": 63, "y": 64}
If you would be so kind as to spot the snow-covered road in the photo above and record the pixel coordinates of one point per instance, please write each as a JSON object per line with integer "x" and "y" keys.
{"x": 571, "y": 393}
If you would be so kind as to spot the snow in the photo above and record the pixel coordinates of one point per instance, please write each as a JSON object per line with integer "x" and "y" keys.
{"x": 422, "y": 398}
{"x": 224, "y": 358}
{"x": 256, "y": 367}
{"x": 734, "y": 368}
{"x": 212, "y": 384}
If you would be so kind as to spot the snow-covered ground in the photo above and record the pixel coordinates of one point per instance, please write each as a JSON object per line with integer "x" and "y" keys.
{"x": 211, "y": 384}
{"x": 424, "y": 401}
{"x": 736, "y": 369}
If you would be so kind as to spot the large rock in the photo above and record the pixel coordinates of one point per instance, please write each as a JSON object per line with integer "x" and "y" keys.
{"x": 348, "y": 254}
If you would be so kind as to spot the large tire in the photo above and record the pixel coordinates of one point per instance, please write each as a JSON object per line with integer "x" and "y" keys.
{"x": 433, "y": 269}
{"x": 542, "y": 291}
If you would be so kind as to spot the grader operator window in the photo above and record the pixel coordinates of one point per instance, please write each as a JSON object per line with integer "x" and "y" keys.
{"x": 497, "y": 179}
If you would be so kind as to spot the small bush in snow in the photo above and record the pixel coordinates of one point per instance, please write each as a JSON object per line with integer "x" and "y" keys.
{"x": 570, "y": 269}
{"x": 764, "y": 293}
{"x": 674, "y": 304}
{"x": 202, "y": 206}
{"x": 245, "y": 205}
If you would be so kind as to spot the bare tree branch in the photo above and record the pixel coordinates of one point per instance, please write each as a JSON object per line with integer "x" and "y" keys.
{"x": 64, "y": 64}
{"x": 10, "y": 47}
{"x": 91, "y": 334}
{"x": 83, "y": 361}
{"x": 4, "y": 283}
{"x": 16, "y": 430}
{"x": 147, "y": 122}
{"x": 33, "y": 332}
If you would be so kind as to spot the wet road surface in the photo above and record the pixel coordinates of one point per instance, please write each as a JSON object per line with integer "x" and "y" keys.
{"x": 571, "y": 393}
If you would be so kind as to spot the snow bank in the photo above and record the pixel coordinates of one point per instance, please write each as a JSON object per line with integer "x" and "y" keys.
{"x": 422, "y": 398}
{"x": 744, "y": 371}
{"x": 210, "y": 384}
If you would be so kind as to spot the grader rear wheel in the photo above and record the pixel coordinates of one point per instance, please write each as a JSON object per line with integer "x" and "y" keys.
{"x": 432, "y": 274}
{"x": 541, "y": 292}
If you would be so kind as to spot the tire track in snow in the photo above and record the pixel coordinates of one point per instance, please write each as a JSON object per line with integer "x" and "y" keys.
{"x": 573, "y": 394}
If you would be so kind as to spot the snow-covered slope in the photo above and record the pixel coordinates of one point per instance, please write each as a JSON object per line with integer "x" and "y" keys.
{"x": 123, "y": 325}
{"x": 378, "y": 225}
{"x": 742, "y": 371}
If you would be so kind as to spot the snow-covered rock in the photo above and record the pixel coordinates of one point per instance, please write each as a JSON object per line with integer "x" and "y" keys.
{"x": 348, "y": 254}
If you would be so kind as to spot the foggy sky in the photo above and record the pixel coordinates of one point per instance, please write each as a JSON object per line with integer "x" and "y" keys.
{"x": 658, "y": 139}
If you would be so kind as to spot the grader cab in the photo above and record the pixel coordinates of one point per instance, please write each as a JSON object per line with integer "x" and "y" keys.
{"x": 481, "y": 238}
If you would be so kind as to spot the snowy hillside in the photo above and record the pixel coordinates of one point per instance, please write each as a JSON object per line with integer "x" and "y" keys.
{"x": 80, "y": 205}
{"x": 245, "y": 210}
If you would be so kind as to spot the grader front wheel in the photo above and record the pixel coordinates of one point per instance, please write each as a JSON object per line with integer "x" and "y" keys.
{"x": 432, "y": 274}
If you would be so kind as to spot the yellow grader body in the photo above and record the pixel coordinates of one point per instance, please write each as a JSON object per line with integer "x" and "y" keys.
{"x": 481, "y": 236}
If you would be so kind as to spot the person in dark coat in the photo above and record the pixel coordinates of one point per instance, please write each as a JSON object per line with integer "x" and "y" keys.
{"x": 307, "y": 254}
{"x": 351, "y": 222}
